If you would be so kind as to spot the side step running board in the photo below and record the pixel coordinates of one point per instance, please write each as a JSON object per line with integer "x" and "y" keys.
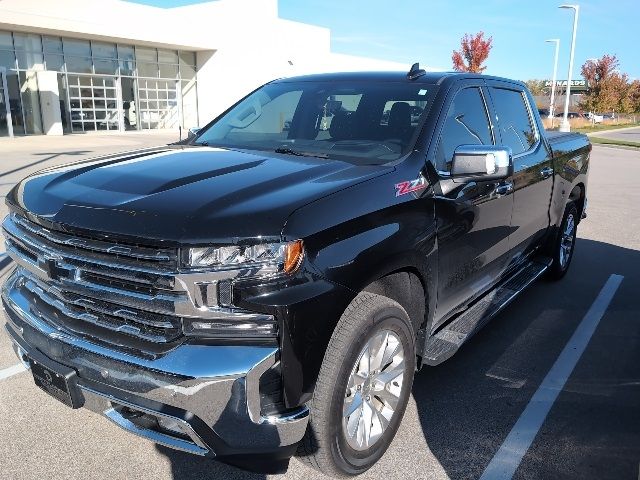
{"x": 447, "y": 341}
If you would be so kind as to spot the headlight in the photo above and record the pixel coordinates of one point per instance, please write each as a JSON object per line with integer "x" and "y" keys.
{"x": 280, "y": 257}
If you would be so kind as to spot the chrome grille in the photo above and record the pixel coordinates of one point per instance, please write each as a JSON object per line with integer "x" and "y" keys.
{"x": 114, "y": 292}
{"x": 130, "y": 296}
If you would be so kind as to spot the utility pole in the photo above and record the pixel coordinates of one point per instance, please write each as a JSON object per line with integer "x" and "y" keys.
{"x": 564, "y": 126}
{"x": 552, "y": 105}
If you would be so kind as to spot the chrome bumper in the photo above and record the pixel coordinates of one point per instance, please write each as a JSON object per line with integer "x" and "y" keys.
{"x": 208, "y": 395}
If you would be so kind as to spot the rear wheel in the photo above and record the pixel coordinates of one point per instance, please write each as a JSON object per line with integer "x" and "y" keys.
{"x": 363, "y": 387}
{"x": 565, "y": 243}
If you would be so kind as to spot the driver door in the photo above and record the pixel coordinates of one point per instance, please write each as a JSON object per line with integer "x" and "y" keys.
{"x": 474, "y": 217}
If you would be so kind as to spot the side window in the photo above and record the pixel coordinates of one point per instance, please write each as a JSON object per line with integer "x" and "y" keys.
{"x": 513, "y": 119}
{"x": 466, "y": 123}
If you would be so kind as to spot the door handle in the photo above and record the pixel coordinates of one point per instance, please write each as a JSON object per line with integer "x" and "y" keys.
{"x": 546, "y": 172}
{"x": 504, "y": 188}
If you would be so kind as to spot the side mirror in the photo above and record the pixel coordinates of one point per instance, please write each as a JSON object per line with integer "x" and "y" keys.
{"x": 481, "y": 162}
{"x": 193, "y": 131}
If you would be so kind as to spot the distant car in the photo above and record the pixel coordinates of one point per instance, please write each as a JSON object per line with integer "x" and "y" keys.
{"x": 594, "y": 117}
{"x": 608, "y": 116}
{"x": 569, "y": 115}
{"x": 543, "y": 112}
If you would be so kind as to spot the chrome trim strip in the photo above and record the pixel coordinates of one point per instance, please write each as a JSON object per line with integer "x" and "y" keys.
{"x": 156, "y": 437}
{"x": 134, "y": 252}
{"x": 252, "y": 393}
{"x": 196, "y": 446}
{"x": 533, "y": 123}
{"x": 300, "y": 414}
{"x": 94, "y": 319}
{"x": 39, "y": 245}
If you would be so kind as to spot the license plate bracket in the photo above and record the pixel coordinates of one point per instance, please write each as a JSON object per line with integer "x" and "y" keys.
{"x": 57, "y": 380}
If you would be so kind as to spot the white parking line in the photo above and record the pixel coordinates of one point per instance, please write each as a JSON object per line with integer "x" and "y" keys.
{"x": 506, "y": 460}
{"x": 11, "y": 371}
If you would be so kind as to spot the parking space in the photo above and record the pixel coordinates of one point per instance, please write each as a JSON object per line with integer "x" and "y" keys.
{"x": 460, "y": 412}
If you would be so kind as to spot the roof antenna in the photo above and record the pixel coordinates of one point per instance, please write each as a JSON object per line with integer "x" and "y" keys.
{"x": 415, "y": 71}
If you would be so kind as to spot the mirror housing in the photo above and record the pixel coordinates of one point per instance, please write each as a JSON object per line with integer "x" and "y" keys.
{"x": 481, "y": 162}
{"x": 193, "y": 131}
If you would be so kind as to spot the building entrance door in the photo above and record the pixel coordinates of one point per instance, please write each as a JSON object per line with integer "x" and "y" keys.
{"x": 6, "y": 125}
{"x": 93, "y": 103}
{"x": 158, "y": 103}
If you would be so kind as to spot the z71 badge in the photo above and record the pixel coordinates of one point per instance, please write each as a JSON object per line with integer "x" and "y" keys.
{"x": 409, "y": 186}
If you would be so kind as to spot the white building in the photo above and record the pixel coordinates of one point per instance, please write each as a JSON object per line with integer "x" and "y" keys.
{"x": 82, "y": 65}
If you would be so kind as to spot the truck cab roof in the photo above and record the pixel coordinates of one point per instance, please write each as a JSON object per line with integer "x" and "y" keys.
{"x": 430, "y": 78}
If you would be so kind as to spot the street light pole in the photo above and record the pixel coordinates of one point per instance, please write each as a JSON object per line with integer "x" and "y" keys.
{"x": 564, "y": 126}
{"x": 552, "y": 106}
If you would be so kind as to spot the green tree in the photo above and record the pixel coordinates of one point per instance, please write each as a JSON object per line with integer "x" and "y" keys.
{"x": 537, "y": 87}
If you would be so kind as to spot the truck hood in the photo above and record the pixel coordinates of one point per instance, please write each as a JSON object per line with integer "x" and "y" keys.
{"x": 184, "y": 194}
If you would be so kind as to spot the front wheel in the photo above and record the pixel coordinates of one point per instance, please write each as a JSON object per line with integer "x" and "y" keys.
{"x": 564, "y": 244}
{"x": 363, "y": 387}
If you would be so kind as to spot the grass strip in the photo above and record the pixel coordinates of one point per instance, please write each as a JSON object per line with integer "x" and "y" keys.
{"x": 613, "y": 141}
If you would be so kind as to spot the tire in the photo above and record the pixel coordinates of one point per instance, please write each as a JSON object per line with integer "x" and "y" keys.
{"x": 565, "y": 239}
{"x": 370, "y": 320}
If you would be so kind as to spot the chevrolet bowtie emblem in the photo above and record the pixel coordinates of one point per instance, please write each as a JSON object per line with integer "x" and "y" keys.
{"x": 50, "y": 267}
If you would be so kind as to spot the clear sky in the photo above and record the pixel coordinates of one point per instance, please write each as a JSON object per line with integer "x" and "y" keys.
{"x": 428, "y": 31}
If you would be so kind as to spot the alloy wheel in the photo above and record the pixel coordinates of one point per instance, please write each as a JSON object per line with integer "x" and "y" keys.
{"x": 373, "y": 390}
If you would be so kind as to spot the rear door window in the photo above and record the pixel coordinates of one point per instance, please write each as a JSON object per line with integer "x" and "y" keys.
{"x": 467, "y": 123}
{"x": 516, "y": 128}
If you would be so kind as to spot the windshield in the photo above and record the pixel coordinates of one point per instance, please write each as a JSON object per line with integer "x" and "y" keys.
{"x": 371, "y": 122}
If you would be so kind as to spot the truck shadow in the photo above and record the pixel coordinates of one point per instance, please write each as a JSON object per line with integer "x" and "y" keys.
{"x": 468, "y": 405}
{"x": 47, "y": 156}
{"x": 192, "y": 467}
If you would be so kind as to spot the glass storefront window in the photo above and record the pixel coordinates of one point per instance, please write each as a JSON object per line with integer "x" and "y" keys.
{"x": 126, "y": 52}
{"x": 156, "y": 85}
{"x": 168, "y": 71}
{"x": 30, "y": 60}
{"x": 103, "y": 50}
{"x": 52, "y": 44}
{"x": 6, "y": 42}
{"x": 76, "y": 47}
{"x": 109, "y": 67}
{"x": 28, "y": 42}
{"x": 54, "y": 62}
{"x": 187, "y": 72}
{"x": 147, "y": 69}
{"x": 30, "y": 102}
{"x": 127, "y": 60}
{"x": 7, "y": 59}
{"x": 78, "y": 64}
{"x": 167, "y": 56}
{"x": 187, "y": 58}
{"x": 146, "y": 54}
{"x": 127, "y": 68}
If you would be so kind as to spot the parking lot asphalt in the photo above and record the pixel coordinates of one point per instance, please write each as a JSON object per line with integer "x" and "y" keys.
{"x": 460, "y": 412}
{"x": 627, "y": 134}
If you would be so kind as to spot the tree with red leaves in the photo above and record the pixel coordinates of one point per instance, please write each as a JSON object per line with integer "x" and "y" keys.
{"x": 474, "y": 50}
{"x": 608, "y": 88}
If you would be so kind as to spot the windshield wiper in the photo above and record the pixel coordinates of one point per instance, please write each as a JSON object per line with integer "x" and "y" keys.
{"x": 290, "y": 151}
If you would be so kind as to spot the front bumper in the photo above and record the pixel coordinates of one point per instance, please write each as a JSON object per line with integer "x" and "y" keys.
{"x": 206, "y": 398}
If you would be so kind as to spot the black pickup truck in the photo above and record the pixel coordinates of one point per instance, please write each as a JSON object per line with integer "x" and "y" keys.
{"x": 269, "y": 287}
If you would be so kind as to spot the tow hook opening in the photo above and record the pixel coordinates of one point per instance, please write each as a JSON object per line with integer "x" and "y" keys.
{"x": 148, "y": 421}
{"x": 158, "y": 427}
